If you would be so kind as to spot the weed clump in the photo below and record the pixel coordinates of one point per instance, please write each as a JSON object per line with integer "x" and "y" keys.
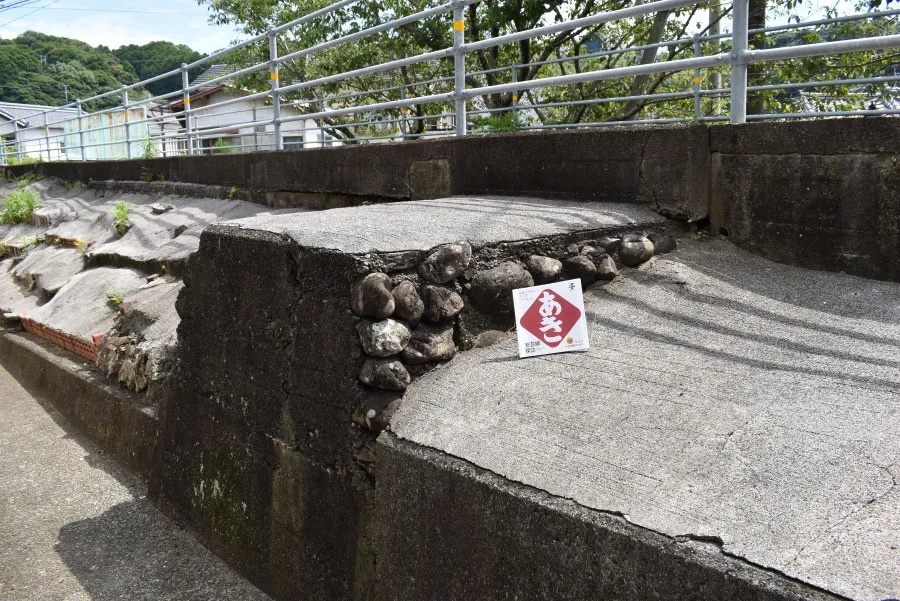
{"x": 19, "y": 206}
{"x": 120, "y": 215}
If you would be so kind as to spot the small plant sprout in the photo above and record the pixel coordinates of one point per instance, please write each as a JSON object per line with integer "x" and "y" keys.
{"x": 114, "y": 298}
{"x": 120, "y": 214}
{"x": 232, "y": 193}
{"x": 147, "y": 149}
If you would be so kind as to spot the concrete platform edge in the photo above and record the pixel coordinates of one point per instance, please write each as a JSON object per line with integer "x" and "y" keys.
{"x": 649, "y": 564}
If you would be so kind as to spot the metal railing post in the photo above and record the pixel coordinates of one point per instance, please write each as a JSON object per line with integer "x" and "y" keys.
{"x": 403, "y": 112}
{"x": 126, "y": 119}
{"x": 276, "y": 95}
{"x": 459, "y": 68}
{"x": 515, "y": 94}
{"x": 16, "y": 140}
{"x": 698, "y": 79}
{"x": 255, "y": 130}
{"x": 739, "y": 44}
{"x": 47, "y": 136}
{"x": 186, "y": 97}
{"x": 80, "y": 131}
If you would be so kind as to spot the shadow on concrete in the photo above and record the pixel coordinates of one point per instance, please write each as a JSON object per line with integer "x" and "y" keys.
{"x": 133, "y": 552}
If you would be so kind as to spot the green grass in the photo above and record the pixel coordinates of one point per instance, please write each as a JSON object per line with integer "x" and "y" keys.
{"x": 120, "y": 215}
{"x": 19, "y": 206}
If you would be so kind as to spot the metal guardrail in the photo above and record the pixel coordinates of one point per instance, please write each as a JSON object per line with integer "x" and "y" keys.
{"x": 266, "y": 119}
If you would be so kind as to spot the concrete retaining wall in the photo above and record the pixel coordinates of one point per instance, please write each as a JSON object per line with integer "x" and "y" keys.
{"x": 820, "y": 194}
{"x": 612, "y": 165}
{"x": 118, "y": 421}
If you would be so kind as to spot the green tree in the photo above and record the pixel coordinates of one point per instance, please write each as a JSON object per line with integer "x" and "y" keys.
{"x": 154, "y": 58}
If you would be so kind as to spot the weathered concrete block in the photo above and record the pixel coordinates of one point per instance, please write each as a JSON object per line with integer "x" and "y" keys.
{"x": 822, "y": 195}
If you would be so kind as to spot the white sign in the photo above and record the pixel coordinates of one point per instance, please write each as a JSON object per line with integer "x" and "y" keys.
{"x": 550, "y": 319}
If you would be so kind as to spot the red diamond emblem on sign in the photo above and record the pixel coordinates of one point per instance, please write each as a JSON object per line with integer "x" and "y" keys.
{"x": 550, "y": 318}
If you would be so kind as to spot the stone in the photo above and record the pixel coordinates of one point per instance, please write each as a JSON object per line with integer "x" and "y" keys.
{"x": 582, "y": 268}
{"x": 593, "y": 253}
{"x": 446, "y": 263}
{"x": 544, "y": 270}
{"x": 662, "y": 243}
{"x": 371, "y": 296}
{"x": 635, "y": 249}
{"x": 408, "y": 305}
{"x": 382, "y": 338}
{"x": 492, "y": 289}
{"x": 377, "y": 421}
{"x": 386, "y": 374}
{"x": 608, "y": 243}
{"x": 571, "y": 250}
{"x": 606, "y": 268}
{"x": 158, "y": 208}
{"x": 428, "y": 344}
{"x": 489, "y": 338}
{"x": 440, "y": 303}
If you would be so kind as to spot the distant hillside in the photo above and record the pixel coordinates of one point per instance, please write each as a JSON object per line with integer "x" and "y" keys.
{"x": 27, "y": 77}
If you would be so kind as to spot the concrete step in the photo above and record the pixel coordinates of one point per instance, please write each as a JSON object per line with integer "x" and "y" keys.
{"x": 731, "y": 411}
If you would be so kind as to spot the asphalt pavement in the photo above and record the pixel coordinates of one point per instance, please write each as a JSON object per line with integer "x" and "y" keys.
{"x": 76, "y": 527}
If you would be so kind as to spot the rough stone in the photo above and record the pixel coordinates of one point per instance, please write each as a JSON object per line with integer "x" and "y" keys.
{"x": 593, "y": 253}
{"x": 580, "y": 267}
{"x": 158, "y": 208}
{"x": 386, "y": 374}
{"x": 440, "y": 303}
{"x": 492, "y": 289}
{"x": 371, "y": 296}
{"x": 408, "y": 304}
{"x": 544, "y": 270}
{"x": 446, "y": 263}
{"x": 608, "y": 243}
{"x": 430, "y": 343}
{"x": 662, "y": 243}
{"x": 606, "y": 269}
{"x": 635, "y": 249}
{"x": 382, "y": 338}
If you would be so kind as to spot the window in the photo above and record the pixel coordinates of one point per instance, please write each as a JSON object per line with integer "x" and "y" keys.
{"x": 293, "y": 142}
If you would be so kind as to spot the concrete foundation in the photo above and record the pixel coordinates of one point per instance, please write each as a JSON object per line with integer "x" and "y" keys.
{"x": 266, "y": 442}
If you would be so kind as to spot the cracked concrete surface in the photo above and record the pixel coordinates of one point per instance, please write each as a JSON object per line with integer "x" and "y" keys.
{"x": 424, "y": 224}
{"x": 725, "y": 398}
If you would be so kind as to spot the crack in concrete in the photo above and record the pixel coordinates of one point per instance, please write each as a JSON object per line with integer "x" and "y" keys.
{"x": 680, "y": 539}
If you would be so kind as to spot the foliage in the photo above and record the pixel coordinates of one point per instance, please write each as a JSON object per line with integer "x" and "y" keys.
{"x": 147, "y": 149}
{"x": 86, "y": 70}
{"x": 149, "y": 60}
{"x": 114, "y": 298}
{"x": 120, "y": 215}
{"x": 19, "y": 206}
{"x": 496, "y": 124}
{"x": 221, "y": 146}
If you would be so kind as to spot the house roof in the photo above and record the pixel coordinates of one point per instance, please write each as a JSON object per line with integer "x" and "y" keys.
{"x": 212, "y": 73}
{"x": 30, "y": 114}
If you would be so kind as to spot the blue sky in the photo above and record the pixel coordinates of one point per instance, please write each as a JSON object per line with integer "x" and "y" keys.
{"x": 106, "y": 22}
